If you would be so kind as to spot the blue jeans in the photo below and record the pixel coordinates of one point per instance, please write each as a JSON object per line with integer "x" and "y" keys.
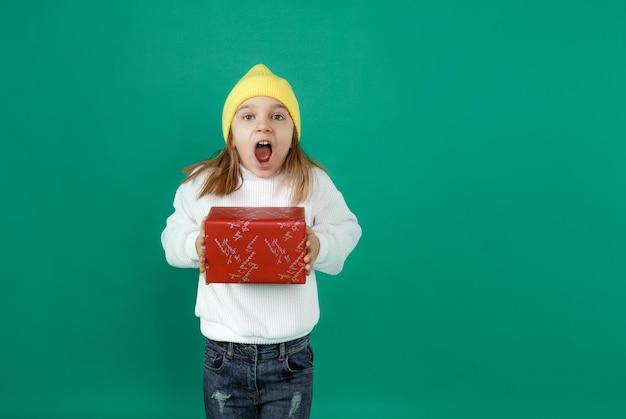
{"x": 258, "y": 381}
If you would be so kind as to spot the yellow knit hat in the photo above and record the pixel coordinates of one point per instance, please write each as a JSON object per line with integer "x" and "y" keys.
{"x": 260, "y": 81}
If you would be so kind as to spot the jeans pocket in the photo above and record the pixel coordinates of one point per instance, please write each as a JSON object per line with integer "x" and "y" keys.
{"x": 301, "y": 361}
{"x": 214, "y": 359}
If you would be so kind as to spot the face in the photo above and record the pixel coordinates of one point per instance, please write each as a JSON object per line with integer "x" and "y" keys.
{"x": 262, "y": 130}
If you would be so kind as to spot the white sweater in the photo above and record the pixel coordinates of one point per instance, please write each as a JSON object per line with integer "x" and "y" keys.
{"x": 261, "y": 313}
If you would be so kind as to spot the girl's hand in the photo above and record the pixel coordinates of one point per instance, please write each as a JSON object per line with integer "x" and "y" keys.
{"x": 312, "y": 249}
{"x": 200, "y": 248}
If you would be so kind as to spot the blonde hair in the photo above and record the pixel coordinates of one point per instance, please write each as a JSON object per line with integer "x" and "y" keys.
{"x": 224, "y": 171}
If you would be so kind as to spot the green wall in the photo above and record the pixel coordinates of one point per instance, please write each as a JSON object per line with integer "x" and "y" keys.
{"x": 481, "y": 144}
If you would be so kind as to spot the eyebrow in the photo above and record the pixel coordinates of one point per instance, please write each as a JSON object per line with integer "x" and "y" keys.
{"x": 277, "y": 106}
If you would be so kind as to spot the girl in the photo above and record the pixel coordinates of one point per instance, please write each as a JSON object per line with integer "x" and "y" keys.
{"x": 258, "y": 360}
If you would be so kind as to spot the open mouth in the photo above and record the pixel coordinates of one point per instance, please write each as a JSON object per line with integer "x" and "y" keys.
{"x": 263, "y": 151}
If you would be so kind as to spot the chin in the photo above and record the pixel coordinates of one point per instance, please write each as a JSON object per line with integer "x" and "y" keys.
{"x": 263, "y": 172}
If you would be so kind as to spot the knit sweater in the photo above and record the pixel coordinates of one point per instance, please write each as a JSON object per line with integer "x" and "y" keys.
{"x": 261, "y": 313}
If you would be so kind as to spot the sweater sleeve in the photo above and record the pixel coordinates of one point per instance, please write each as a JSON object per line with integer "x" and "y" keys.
{"x": 334, "y": 224}
{"x": 181, "y": 230}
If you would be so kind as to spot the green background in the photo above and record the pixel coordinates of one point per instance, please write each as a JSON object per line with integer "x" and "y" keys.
{"x": 481, "y": 144}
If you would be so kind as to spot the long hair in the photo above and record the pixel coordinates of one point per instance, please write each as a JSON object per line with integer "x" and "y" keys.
{"x": 224, "y": 171}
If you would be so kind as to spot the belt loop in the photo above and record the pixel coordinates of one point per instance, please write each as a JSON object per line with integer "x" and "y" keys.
{"x": 281, "y": 349}
{"x": 231, "y": 351}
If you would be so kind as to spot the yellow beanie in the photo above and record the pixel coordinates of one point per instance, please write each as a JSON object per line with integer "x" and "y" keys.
{"x": 260, "y": 81}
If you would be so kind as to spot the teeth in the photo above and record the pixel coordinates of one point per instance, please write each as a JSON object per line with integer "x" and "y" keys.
{"x": 263, "y": 143}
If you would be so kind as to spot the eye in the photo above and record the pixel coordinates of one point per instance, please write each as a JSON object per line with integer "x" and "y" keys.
{"x": 247, "y": 117}
{"x": 278, "y": 117}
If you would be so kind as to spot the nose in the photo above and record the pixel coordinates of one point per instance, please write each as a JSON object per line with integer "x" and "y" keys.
{"x": 263, "y": 124}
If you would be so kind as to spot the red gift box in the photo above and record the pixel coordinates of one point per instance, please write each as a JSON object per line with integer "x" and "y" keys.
{"x": 255, "y": 245}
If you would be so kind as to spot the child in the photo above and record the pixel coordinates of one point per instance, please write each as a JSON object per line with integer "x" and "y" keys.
{"x": 258, "y": 360}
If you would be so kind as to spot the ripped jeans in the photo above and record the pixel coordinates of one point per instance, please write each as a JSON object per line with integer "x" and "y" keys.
{"x": 258, "y": 381}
